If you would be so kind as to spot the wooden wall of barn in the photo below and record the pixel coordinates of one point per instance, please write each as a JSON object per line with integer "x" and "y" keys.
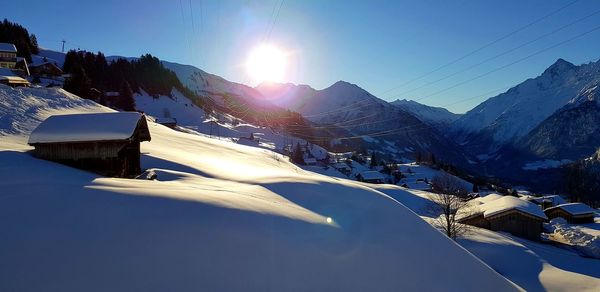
{"x": 518, "y": 224}
{"x": 108, "y": 158}
{"x": 557, "y": 212}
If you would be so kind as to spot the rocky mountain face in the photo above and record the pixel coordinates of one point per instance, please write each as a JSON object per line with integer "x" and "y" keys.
{"x": 512, "y": 115}
{"x": 435, "y": 116}
{"x": 571, "y": 133}
{"x": 393, "y": 129}
{"x": 546, "y": 117}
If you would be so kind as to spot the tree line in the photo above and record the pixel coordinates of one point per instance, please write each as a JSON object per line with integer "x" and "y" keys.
{"x": 92, "y": 70}
{"x": 19, "y": 36}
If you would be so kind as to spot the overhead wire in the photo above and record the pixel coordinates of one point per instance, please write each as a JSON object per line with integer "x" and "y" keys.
{"x": 495, "y": 41}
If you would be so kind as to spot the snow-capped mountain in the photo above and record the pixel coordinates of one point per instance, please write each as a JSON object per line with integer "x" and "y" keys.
{"x": 513, "y": 114}
{"x": 384, "y": 126}
{"x": 572, "y": 132}
{"x": 435, "y": 116}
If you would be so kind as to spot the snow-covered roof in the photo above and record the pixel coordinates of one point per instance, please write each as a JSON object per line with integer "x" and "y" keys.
{"x": 87, "y": 127}
{"x": 554, "y": 199}
{"x": 507, "y": 203}
{"x": 369, "y": 175}
{"x": 14, "y": 79}
{"x": 574, "y": 208}
{"x": 341, "y": 166}
{"x": 6, "y": 47}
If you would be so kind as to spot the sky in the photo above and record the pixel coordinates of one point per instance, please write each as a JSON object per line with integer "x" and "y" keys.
{"x": 453, "y": 54}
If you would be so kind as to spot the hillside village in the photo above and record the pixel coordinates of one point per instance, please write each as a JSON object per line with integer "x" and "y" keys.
{"x": 106, "y": 157}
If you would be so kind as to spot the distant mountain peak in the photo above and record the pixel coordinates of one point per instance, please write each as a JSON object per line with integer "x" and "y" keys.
{"x": 561, "y": 65}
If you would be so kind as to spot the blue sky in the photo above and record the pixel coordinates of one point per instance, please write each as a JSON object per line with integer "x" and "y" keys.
{"x": 378, "y": 45}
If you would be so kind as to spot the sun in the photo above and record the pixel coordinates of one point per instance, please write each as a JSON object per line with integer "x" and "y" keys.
{"x": 266, "y": 63}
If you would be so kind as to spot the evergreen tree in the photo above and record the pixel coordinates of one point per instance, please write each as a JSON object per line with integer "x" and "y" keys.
{"x": 126, "y": 100}
{"x": 34, "y": 44}
{"x": 297, "y": 155}
{"x": 79, "y": 83}
{"x": 373, "y": 160}
{"x": 475, "y": 188}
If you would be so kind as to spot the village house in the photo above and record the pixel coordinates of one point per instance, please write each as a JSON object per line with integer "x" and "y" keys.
{"x": 104, "y": 143}
{"x": 509, "y": 214}
{"x": 572, "y": 212}
{"x": 310, "y": 161}
{"x": 8, "y": 55}
{"x": 167, "y": 122}
{"x": 45, "y": 70}
{"x": 546, "y": 201}
{"x": 374, "y": 177}
{"x": 12, "y": 80}
{"x": 343, "y": 168}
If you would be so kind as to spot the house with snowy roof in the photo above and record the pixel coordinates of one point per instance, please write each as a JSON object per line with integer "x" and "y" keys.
{"x": 104, "y": 143}
{"x": 45, "y": 70}
{"x": 374, "y": 177}
{"x": 572, "y": 212}
{"x": 8, "y": 55}
{"x": 343, "y": 168}
{"x": 509, "y": 214}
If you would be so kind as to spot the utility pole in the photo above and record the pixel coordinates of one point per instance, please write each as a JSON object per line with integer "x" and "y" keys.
{"x": 63, "y": 46}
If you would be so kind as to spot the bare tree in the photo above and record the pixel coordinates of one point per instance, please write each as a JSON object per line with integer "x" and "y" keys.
{"x": 448, "y": 199}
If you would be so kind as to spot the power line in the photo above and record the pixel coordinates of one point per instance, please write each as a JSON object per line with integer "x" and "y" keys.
{"x": 501, "y": 54}
{"x": 482, "y": 47}
{"x": 275, "y": 20}
{"x": 512, "y": 63}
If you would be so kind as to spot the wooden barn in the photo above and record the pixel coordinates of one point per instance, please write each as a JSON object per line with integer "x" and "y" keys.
{"x": 509, "y": 214}
{"x": 104, "y": 143}
{"x": 573, "y": 213}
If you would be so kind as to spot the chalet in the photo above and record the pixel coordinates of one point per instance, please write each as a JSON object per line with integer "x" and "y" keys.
{"x": 573, "y": 212}
{"x": 167, "y": 122}
{"x": 546, "y": 201}
{"x": 8, "y": 55}
{"x": 343, "y": 168}
{"x": 509, "y": 214}
{"x": 374, "y": 177}
{"x": 105, "y": 143}
{"x": 45, "y": 70}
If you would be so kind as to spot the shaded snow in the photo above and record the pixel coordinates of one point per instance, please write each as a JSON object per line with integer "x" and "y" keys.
{"x": 219, "y": 217}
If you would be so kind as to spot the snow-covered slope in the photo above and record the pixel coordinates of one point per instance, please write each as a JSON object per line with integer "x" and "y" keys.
{"x": 219, "y": 89}
{"x": 193, "y": 119}
{"x": 220, "y": 217}
{"x": 513, "y": 114}
{"x": 531, "y": 265}
{"x": 436, "y": 116}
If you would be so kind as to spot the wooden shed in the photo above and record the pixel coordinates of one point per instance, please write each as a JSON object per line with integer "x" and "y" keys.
{"x": 509, "y": 214}
{"x": 104, "y": 143}
{"x": 574, "y": 213}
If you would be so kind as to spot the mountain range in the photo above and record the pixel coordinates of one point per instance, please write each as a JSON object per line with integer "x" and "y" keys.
{"x": 553, "y": 116}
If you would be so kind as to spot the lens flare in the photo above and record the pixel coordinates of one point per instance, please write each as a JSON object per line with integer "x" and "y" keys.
{"x": 266, "y": 63}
